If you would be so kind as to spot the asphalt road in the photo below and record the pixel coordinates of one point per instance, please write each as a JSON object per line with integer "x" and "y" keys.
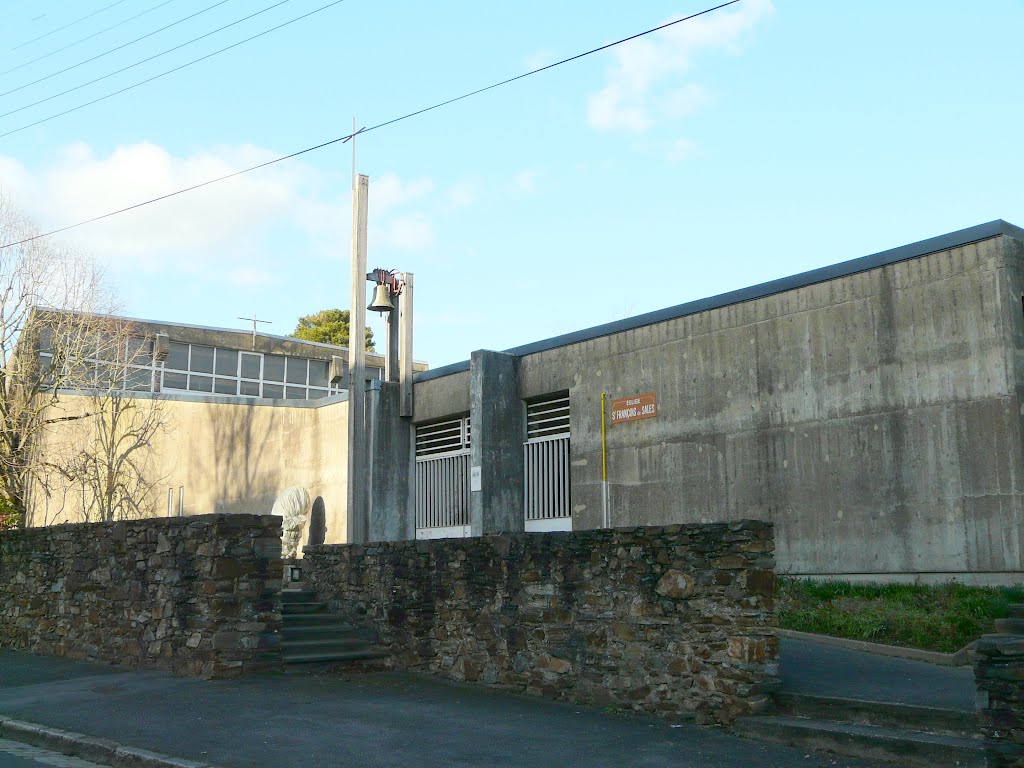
{"x": 378, "y": 720}
{"x": 825, "y": 670}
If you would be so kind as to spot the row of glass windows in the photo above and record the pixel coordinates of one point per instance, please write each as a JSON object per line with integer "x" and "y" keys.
{"x": 198, "y": 368}
{"x": 214, "y": 370}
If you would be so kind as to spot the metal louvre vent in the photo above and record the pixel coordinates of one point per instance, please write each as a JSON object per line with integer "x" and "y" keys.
{"x": 442, "y": 437}
{"x": 547, "y": 476}
{"x": 548, "y": 418}
{"x": 442, "y": 492}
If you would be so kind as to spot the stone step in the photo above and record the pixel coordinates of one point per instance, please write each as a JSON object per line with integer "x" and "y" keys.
{"x": 295, "y": 607}
{"x": 1011, "y": 626}
{"x": 315, "y": 619}
{"x": 1016, "y": 611}
{"x": 930, "y": 719}
{"x": 316, "y": 657}
{"x": 335, "y": 631}
{"x": 326, "y": 645}
{"x": 300, "y": 595}
{"x": 914, "y": 749}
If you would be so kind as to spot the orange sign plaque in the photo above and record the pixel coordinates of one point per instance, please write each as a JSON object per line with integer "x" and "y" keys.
{"x": 635, "y": 407}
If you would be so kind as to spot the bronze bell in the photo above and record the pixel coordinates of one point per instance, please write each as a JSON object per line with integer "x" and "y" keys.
{"x": 381, "y": 300}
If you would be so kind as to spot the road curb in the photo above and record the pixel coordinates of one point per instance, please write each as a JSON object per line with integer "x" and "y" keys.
{"x": 958, "y": 659}
{"x": 90, "y": 748}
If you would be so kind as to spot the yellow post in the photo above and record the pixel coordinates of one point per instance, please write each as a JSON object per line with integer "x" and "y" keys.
{"x": 604, "y": 463}
{"x": 604, "y": 444}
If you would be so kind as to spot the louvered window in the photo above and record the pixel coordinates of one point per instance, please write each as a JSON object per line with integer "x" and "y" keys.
{"x": 442, "y": 479}
{"x": 546, "y": 465}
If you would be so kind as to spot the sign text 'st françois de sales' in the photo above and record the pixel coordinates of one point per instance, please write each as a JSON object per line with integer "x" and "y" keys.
{"x": 635, "y": 407}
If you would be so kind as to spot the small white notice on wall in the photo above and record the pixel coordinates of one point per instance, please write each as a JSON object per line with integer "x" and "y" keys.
{"x": 474, "y": 478}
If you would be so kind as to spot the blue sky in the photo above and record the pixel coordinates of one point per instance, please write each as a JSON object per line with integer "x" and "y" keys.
{"x": 758, "y": 141}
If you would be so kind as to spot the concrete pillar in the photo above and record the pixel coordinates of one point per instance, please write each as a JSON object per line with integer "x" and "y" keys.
{"x": 390, "y": 456}
{"x": 356, "y": 506}
{"x": 498, "y": 423}
{"x": 391, "y": 352}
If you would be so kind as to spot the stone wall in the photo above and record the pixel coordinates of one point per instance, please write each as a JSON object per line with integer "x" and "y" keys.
{"x": 195, "y": 595}
{"x": 676, "y": 621}
{"x": 999, "y": 676}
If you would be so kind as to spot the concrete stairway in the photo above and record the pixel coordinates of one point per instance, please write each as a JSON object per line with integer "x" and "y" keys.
{"x": 1014, "y": 625}
{"x": 314, "y": 638}
{"x": 907, "y": 734}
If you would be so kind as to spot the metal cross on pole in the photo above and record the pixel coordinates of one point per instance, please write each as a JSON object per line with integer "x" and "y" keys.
{"x": 254, "y": 320}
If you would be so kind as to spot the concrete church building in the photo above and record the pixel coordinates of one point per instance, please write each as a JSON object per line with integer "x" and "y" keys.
{"x": 872, "y": 410}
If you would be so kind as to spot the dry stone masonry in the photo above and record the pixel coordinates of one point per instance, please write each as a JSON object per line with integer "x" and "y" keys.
{"x": 677, "y": 621}
{"x": 999, "y": 677}
{"x": 197, "y": 595}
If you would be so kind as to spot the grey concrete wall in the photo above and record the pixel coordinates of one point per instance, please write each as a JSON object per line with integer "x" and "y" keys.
{"x": 444, "y": 398}
{"x": 498, "y": 418}
{"x": 875, "y": 418}
{"x": 391, "y": 511}
{"x": 229, "y": 454}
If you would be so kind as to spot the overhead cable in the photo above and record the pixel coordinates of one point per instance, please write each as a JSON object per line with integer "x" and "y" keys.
{"x": 71, "y": 24}
{"x": 88, "y": 37}
{"x": 123, "y": 45}
{"x": 118, "y": 48}
{"x": 361, "y": 131}
{"x": 147, "y": 59}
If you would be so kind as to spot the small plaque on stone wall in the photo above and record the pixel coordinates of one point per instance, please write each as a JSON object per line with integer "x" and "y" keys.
{"x": 475, "y": 483}
{"x": 634, "y": 407}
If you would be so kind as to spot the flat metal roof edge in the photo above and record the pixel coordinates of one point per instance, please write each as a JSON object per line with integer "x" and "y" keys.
{"x": 238, "y": 331}
{"x": 189, "y": 397}
{"x": 194, "y": 326}
{"x": 802, "y": 280}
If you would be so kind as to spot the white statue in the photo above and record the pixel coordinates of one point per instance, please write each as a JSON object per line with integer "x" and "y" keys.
{"x": 292, "y": 504}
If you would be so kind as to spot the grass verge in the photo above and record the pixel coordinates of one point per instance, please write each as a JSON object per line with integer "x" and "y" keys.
{"x": 943, "y": 617}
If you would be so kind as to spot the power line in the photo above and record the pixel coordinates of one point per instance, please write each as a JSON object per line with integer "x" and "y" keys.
{"x": 88, "y": 37}
{"x": 143, "y": 61}
{"x": 112, "y": 50}
{"x": 361, "y": 131}
{"x": 170, "y": 71}
{"x": 71, "y": 24}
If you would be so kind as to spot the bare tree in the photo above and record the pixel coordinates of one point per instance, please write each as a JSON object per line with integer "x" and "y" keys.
{"x": 109, "y": 451}
{"x": 58, "y": 335}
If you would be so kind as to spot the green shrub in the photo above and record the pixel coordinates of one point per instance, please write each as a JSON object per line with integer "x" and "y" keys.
{"x": 8, "y": 516}
{"x": 943, "y": 617}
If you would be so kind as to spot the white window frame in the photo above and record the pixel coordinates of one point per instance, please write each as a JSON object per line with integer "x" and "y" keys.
{"x": 261, "y": 382}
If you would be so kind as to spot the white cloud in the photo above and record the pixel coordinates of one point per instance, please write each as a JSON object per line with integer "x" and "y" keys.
{"x": 251, "y": 231}
{"x": 389, "y": 191}
{"x": 411, "y": 232}
{"x": 682, "y": 149}
{"x": 686, "y": 100}
{"x": 402, "y": 212}
{"x": 525, "y": 182}
{"x": 461, "y": 195}
{"x": 539, "y": 59}
{"x": 250, "y": 276}
{"x": 201, "y": 228}
{"x": 644, "y": 79}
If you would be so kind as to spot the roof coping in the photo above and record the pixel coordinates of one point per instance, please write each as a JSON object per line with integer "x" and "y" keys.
{"x": 821, "y": 274}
